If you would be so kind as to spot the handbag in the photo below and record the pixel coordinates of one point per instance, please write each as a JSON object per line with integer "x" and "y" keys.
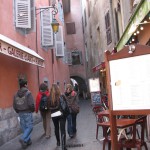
{"x": 75, "y": 109}
{"x": 56, "y": 114}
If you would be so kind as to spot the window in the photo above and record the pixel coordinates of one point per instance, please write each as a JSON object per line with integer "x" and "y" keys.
{"x": 108, "y": 28}
{"x": 70, "y": 28}
{"x": 74, "y": 57}
{"x": 24, "y": 12}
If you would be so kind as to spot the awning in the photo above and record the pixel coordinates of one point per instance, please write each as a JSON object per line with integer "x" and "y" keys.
{"x": 140, "y": 13}
{"x": 99, "y": 67}
{"x": 18, "y": 51}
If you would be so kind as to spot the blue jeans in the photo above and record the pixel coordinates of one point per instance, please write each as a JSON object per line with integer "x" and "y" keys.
{"x": 26, "y": 123}
{"x": 71, "y": 124}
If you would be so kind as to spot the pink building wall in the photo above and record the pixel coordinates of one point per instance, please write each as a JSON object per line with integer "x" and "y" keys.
{"x": 11, "y": 68}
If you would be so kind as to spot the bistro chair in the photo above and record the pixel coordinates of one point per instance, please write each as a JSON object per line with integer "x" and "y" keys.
{"x": 106, "y": 130}
{"x": 135, "y": 142}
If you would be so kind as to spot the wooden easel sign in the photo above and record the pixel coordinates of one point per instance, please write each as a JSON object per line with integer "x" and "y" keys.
{"x": 94, "y": 85}
{"x": 128, "y": 83}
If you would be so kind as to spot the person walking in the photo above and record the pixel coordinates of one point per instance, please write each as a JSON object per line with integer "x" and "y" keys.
{"x": 72, "y": 101}
{"x": 58, "y": 121}
{"x": 23, "y": 104}
{"x": 43, "y": 94}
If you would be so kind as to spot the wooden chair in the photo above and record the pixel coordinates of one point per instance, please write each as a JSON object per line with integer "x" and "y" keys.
{"x": 106, "y": 131}
{"x": 135, "y": 142}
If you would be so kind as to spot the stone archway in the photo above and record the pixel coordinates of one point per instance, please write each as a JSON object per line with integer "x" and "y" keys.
{"x": 81, "y": 85}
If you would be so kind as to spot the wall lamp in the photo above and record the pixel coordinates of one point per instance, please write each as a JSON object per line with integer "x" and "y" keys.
{"x": 54, "y": 24}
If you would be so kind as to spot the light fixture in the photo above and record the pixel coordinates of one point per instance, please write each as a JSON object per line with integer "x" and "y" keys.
{"x": 54, "y": 24}
{"x": 141, "y": 28}
{"x": 137, "y": 31}
{"x": 131, "y": 49}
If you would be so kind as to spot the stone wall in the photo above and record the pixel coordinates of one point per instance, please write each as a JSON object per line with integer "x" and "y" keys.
{"x": 9, "y": 124}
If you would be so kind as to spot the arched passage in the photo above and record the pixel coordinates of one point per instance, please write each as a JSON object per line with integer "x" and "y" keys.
{"x": 81, "y": 85}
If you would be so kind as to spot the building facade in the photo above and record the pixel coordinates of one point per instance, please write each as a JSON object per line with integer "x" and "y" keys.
{"x": 28, "y": 49}
{"x": 106, "y": 25}
{"x": 74, "y": 43}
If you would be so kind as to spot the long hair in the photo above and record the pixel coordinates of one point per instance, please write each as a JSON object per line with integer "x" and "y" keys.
{"x": 55, "y": 93}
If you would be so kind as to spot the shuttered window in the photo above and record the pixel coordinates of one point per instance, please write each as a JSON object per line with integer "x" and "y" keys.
{"x": 108, "y": 28}
{"x": 59, "y": 42}
{"x": 24, "y": 16}
{"x": 23, "y": 13}
{"x": 70, "y": 28}
{"x": 46, "y": 28}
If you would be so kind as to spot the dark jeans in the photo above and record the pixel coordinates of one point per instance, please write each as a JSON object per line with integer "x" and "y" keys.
{"x": 71, "y": 121}
{"x": 59, "y": 124}
{"x": 26, "y": 123}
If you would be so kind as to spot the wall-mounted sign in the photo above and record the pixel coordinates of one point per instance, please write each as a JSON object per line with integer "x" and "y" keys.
{"x": 19, "y": 54}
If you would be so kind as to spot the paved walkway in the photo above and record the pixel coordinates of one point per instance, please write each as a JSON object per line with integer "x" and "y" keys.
{"x": 84, "y": 140}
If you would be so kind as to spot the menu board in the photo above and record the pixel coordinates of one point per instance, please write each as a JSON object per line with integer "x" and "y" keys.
{"x": 94, "y": 84}
{"x": 130, "y": 83}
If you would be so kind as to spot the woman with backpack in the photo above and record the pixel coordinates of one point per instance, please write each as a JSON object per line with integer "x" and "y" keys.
{"x": 43, "y": 105}
{"x": 59, "y": 121}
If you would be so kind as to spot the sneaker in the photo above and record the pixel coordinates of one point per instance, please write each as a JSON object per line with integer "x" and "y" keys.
{"x": 23, "y": 144}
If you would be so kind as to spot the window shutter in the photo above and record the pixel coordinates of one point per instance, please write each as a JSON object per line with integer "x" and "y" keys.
{"x": 23, "y": 13}
{"x": 68, "y": 56}
{"x": 33, "y": 22}
{"x": 46, "y": 28}
{"x": 59, "y": 42}
{"x": 80, "y": 55}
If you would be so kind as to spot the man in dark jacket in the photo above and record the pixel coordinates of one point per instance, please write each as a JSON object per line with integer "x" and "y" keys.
{"x": 23, "y": 104}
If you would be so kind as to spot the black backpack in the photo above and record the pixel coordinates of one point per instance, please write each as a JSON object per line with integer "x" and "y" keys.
{"x": 64, "y": 106}
{"x": 44, "y": 103}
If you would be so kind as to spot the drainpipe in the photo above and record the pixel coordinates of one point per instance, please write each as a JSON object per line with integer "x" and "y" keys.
{"x": 38, "y": 72}
{"x": 112, "y": 20}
